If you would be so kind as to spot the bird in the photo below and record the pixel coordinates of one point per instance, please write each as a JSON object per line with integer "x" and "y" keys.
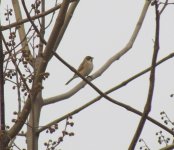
{"x": 84, "y": 69}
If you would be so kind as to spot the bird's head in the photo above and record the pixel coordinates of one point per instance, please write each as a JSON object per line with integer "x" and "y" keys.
{"x": 89, "y": 58}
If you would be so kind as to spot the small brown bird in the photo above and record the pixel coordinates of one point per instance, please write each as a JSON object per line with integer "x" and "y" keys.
{"x": 85, "y": 68}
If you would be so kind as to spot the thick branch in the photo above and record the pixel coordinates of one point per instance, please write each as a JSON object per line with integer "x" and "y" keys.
{"x": 2, "y": 106}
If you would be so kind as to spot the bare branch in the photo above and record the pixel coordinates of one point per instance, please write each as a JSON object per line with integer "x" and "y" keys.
{"x": 165, "y": 5}
{"x": 2, "y": 104}
{"x": 168, "y": 147}
{"x": 21, "y": 30}
{"x": 147, "y": 107}
{"x": 42, "y": 28}
{"x": 33, "y": 18}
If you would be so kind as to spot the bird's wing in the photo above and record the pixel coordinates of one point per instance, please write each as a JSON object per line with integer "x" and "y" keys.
{"x": 81, "y": 67}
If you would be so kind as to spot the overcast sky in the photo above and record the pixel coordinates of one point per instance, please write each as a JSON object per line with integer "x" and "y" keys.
{"x": 101, "y": 29}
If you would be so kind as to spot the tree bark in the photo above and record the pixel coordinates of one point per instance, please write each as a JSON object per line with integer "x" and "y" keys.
{"x": 2, "y": 108}
{"x": 33, "y": 124}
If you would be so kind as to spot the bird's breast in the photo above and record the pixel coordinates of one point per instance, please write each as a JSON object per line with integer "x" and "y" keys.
{"x": 88, "y": 68}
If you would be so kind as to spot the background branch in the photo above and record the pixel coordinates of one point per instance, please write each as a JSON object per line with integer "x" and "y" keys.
{"x": 147, "y": 107}
{"x": 22, "y": 33}
{"x": 42, "y": 28}
{"x": 31, "y": 21}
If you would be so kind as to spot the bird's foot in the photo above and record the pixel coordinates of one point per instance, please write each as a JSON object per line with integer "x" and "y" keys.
{"x": 89, "y": 77}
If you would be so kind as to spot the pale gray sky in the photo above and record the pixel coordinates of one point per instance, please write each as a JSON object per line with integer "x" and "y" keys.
{"x": 101, "y": 29}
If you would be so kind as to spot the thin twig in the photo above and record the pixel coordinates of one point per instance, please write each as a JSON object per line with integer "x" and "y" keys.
{"x": 10, "y": 81}
{"x": 17, "y": 68}
{"x": 31, "y": 21}
{"x": 24, "y": 38}
{"x": 165, "y": 5}
{"x": 51, "y": 20}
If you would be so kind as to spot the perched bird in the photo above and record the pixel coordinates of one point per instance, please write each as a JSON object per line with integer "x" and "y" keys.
{"x": 85, "y": 68}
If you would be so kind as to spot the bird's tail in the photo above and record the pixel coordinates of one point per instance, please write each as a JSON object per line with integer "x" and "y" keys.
{"x": 69, "y": 81}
